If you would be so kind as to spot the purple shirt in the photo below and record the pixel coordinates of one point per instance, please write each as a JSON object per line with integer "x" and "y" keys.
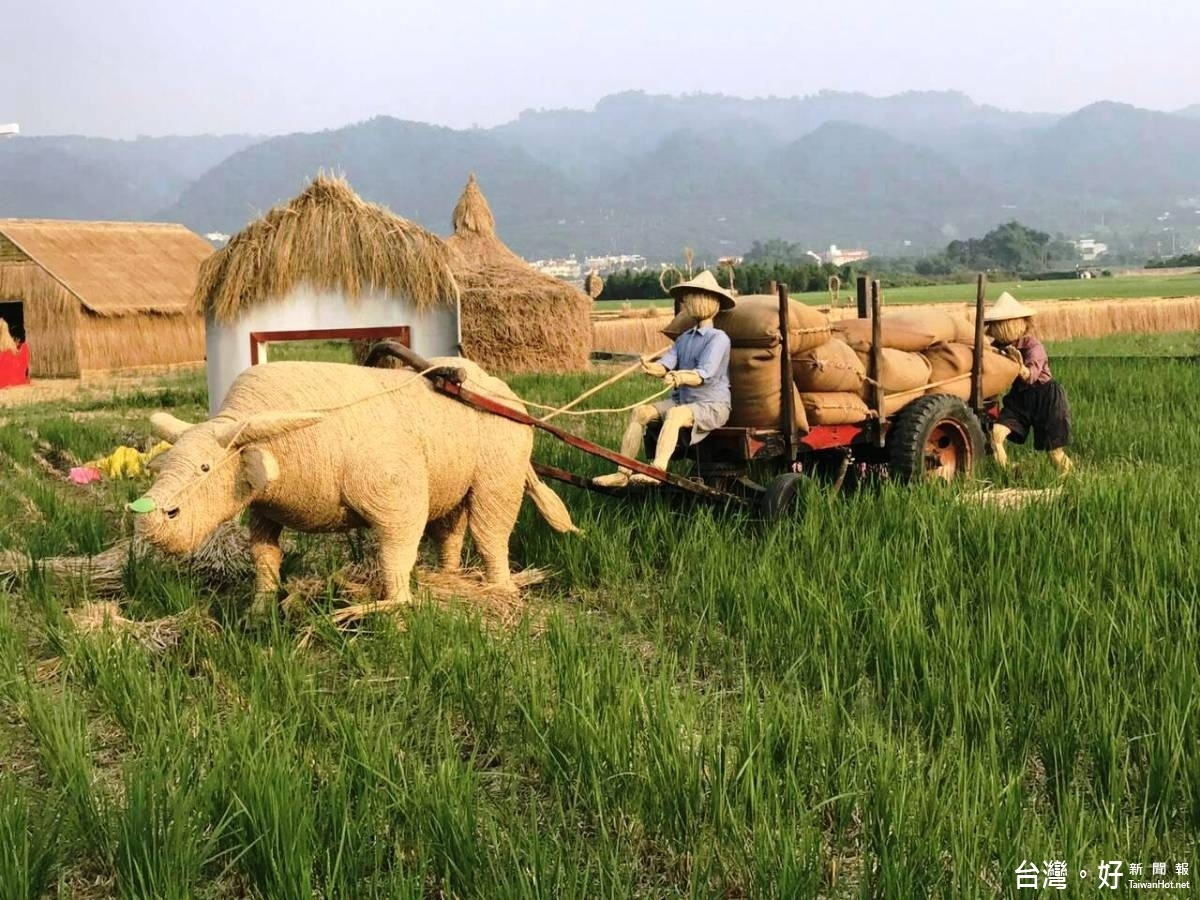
{"x": 1033, "y": 354}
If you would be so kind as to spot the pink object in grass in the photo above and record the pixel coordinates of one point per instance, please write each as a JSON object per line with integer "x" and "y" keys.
{"x": 84, "y": 475}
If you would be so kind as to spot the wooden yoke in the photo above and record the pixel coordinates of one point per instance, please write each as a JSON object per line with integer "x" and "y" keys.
{"x": 977, "y": 352}
{"x": 787, "y": 403}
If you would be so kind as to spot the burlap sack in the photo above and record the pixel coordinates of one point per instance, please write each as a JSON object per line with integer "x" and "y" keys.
{"x": 950, "y": 361}
{"x": 999, "y": 372}
{"x": 923, "y": 320}
{"x": 964, "y": 330}
{"x": 857, "y": 333}
{"x": 954, "y": 361}
{"x": 831, "y": 367}
{"x": 898, "y": 370}
{"x": 754, "y": 322}
{"x": 834, "y": 408}
{"x": 755, "y": 382}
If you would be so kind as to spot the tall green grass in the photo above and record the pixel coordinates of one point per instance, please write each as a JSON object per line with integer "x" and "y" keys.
{"x": 1130, "y": 287}
{"x": 898, "y": 694}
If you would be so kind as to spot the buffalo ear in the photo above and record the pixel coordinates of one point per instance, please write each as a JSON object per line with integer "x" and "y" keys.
{"x": 259, "y": 467}
{"x": 167, "y": 427}
{"x": 264, "y": 426}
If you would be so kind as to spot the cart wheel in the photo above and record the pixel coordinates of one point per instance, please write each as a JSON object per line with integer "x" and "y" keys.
{"x": 934, "y": 437}
{"x": 781, "y": 499}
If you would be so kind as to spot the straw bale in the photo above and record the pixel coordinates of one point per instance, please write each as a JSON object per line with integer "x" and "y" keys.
{"x": 514, "y": 318}
{"x": 330, "y": 239}
{"x": 593, "y": 284}
{"x": 631, "y": 335}
{"x": 1067, "y": 320}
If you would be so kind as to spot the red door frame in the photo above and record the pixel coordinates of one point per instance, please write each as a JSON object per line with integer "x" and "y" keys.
{"x": 401, "y": 333}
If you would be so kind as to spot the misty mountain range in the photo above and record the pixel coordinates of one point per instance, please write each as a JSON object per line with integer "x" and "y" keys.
{"x": 650, "y": 174}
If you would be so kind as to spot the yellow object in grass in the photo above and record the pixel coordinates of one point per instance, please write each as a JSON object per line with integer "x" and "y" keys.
{"x": 128, "y": 462}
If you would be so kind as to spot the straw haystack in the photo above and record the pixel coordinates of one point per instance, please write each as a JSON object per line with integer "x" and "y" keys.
{"x": 95, "y": 296}
{"x": 325, "y": 265}
{"x": 514, "y": 318}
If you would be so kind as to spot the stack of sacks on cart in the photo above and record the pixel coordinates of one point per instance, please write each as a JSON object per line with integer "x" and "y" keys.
{"x": 923, "y": 352}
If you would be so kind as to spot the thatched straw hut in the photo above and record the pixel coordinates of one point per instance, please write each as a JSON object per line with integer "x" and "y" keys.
{"x": 96, "y": 296}
{"x": 515, "y": 319}
{"x": 325, "y": 265}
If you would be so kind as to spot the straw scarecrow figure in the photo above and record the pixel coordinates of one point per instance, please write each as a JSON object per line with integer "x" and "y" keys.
{"x": 697, "y": 367}
{"x": 1036, "y": 401}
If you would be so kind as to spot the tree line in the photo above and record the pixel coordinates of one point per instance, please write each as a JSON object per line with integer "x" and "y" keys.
{"x": 1009, "y": 249}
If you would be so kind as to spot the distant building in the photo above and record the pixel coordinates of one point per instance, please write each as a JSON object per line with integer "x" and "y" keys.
{"x": 567, "y": 269}
{"x": 97, "y": 296}
{"x": 605, "y": 265}
{"x": 1090, "y": 249}
{"x": 839, "y": 257}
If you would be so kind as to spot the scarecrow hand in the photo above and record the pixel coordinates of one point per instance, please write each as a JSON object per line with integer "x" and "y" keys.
{"x": 1023, "y": 373}
{"x": 653, "y": 369}
{"x": 686, "y": 378}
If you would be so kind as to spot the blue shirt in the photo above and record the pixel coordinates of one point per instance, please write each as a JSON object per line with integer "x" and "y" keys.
{"x": 706, "y": 350}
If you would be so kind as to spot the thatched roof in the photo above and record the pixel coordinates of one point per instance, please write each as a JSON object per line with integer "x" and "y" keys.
{"x": 514, "y": 318}
{"x": 328, "y": 238}
{"x": 113, "y": 268}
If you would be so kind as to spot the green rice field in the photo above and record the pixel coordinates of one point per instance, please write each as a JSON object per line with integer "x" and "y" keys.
{"x": 900, "y": 693}
{"x": 1125, "y": 288}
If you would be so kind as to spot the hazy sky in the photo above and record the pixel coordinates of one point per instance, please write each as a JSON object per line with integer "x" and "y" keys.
{"x": 126, "y": 67}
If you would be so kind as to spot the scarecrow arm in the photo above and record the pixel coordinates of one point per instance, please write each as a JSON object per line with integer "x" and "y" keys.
{"x": 685, "y": 378}
{"x": 1035, "y": 360}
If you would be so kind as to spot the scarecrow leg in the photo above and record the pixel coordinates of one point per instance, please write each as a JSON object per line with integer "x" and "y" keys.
{"x": 1000, "y": 433}
{"x": 1060, "y": 459}
{"x": 631, "y": 443}
{"x": 449, "y": 532}
{"x": 668, "y": 438}
{"x": 676, "y": 418}
{"x": 267, "y": 556}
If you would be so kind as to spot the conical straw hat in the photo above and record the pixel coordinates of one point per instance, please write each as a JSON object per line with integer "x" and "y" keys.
{"x": 1008, "y": 307}
{"x": 704, "y": 283}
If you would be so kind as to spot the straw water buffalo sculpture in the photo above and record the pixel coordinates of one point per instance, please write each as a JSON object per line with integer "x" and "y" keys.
{"x": 323, "y": 447}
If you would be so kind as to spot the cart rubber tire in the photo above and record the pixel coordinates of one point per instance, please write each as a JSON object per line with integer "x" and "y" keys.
{"x": 780, "y": 500}
{"x": 934, "y": 437}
